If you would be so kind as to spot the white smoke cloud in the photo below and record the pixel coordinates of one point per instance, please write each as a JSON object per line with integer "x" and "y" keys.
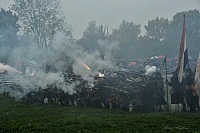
{"x": 70, "y": 88}
{"x": 150, "y": 69}
{"x": 7, "y": 68}
{"x": 63, "y": 53}
{"x": 109, "y": 48}
{"x": 93, "y": 60}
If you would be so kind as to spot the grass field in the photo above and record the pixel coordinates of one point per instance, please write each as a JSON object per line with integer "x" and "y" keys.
{"x": 16, "y": 117}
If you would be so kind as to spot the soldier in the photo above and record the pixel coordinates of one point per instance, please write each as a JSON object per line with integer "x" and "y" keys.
{"x": 159, "y": 93}
{"x": 177, "y": 92}
{"x": 113, "y": 100}
{"x": 190, "y": 97}
{"x": 5, "y": 94}
{"x": 159, "y": 99}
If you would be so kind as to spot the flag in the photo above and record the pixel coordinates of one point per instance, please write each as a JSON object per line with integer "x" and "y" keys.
{"x": 183, "y": 54}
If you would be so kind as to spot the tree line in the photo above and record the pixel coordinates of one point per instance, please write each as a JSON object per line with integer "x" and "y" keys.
{"x": 37, "y": 21}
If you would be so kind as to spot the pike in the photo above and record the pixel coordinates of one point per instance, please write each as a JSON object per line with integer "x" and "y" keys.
{"x": 107, "y": 29}
{"x": 104, "y": 31}
{"x": 133, "y": 83}
{"x": 130, "y": 72}
{"x": 120, "y": 85}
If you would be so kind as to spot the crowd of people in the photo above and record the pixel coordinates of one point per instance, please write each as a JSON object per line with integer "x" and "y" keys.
{"x": 116, "y": 90}
{"x": 129, "y": 88}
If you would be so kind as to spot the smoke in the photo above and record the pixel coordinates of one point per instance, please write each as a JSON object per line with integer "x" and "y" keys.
{"x": 7, "y": 68}
{"x": 63, "y": 44}
{"x": 62, "y": 53}
{"x": 15, "y": 58}
{"x": 70, "y": 88}
{"x": 109, "y": 48}
{"x": 83, "y": 59}
{"x": 150, "y": 69}
{"x": 4, "y": 50}
{"x": 32, "y": 61}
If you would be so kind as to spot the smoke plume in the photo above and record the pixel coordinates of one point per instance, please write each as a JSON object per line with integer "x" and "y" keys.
{"x": 150, "y": 69}
{"x": 62, "y": 53}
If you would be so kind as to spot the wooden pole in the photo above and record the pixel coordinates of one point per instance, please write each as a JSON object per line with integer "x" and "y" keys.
{"x": 166, "y": 79}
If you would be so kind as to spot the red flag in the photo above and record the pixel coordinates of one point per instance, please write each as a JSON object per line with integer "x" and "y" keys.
{"x": 183, "y": 54}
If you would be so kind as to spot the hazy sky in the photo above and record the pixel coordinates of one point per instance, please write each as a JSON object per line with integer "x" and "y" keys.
{"x": 80, "y": 12}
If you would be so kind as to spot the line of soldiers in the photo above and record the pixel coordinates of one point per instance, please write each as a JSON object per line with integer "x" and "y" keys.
{"x": 127, "y": 90}
{"x": 116, "y": 90}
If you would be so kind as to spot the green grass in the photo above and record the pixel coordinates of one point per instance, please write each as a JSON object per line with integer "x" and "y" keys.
{"x": 16, "y": 117}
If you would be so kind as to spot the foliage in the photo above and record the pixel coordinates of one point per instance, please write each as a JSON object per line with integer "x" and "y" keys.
{"x": 8, "y": 34}
{"x": 162, "y": 37}
{"x": 192, "y": 31}
{"x": 16, "y": 117}
{"x": 127, "y": 35}
{"x": 41, "y": 19}
{"x": 157, "y": 29}
{"x": 91, "y": 35}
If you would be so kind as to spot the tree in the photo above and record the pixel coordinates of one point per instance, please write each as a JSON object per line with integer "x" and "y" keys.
{"x": 192, "y": 31}
{"x": 164, "y": 37}
{"x": 8, "y": 34}
{"x": 127, "y": 34}
{"x": 157, "y": 28}
{"x": 91, "y": 35}
{"x": 156, "y": 33}
{"x": 40, "y": 19}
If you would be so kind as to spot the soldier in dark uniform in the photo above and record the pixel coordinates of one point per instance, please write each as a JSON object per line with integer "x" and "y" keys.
{"x": 5, "y": 92}
{"x": 159, "y": 99}
{"x": 190, "y": 90}
{"x": 190, "y": 97}
{"x": 159, "y": 93}
{"x": 178, "y": 90}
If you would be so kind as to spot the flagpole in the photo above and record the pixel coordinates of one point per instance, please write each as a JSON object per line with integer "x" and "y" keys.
{"x": 166, "y": 79}
{"x": 188, "y": 59}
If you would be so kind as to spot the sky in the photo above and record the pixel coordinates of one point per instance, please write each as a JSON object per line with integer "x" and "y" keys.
{"x": 80, "y": 12}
